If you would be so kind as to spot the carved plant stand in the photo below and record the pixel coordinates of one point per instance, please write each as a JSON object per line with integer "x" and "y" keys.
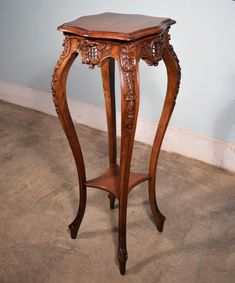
{"x": 101, "y": 40}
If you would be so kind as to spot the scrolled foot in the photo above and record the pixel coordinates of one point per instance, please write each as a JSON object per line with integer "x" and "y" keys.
{"x": 111, "y": 200}
{"x": 122, "y": 258}
{"x": 74, "y": 227}
{"x": 158, "y": 216}
{"x": 160, "y": 219}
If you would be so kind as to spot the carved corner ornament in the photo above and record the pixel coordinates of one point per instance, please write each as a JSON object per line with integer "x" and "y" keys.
{"x": 93, "y": 52}
{"x": 176, "y": 61}
{"x": 67, "y": 45}
{"x": 152, "y": 51}
{"x": 128, "y": 65}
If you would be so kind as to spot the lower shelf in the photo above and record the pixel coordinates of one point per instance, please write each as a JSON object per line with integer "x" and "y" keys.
{"x": 109, "y": 181}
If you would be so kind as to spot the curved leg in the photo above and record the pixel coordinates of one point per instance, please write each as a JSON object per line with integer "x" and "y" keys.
{"x": 59, "y": 96}
{"x": 129, "y": 107}
{"x": 158, "y": 216}
{"x": 108, "y": 78}
{"x": 173, "y": 73}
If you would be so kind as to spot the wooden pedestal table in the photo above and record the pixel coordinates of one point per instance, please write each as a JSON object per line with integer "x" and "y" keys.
{"x": 101, "y": 40}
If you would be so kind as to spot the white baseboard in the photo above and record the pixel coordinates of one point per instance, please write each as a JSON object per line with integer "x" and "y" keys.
{"x": 209, "y": 150}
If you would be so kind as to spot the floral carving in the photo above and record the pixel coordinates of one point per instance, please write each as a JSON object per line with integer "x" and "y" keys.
{"x": 176, "y": 60}
{"x": 92, "y": 52}
{"x": 152, "y": 51}
{"x": 128, "y": 60}
{"x": 65, "y": 52}
{"x": 54, "y": 79}
{"x": 128, "y": 64}
{"x": 63, "y": 55}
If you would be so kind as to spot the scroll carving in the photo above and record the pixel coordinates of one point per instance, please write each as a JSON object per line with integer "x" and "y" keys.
{"x": 176, "y": 60}
{"x": 152, "y": 51}
{"x": 128, "y": 60}
{"x": 92, "y": 52}
{"x": 128, "y": 64}
{"x": 54, "y": 79}
{"x": 63, "y": 55}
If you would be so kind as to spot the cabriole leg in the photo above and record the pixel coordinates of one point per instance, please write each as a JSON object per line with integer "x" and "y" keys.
{"x": 173, "y": 73}
{"x": 129, "y": 107}
{"x": 59, "y": 96}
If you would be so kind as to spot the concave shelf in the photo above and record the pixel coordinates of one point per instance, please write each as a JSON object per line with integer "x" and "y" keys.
{"x": 109, "y": 181}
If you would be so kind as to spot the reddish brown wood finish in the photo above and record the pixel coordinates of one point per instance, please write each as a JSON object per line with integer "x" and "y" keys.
{"x": 109, "y": 181}
{"x": 125, "y": 39}
{"x": 116, "y": 26}
{"x": 108, "y": 78}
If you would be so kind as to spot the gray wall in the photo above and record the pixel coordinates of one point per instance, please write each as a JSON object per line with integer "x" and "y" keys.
{"x": 203, "y": 38}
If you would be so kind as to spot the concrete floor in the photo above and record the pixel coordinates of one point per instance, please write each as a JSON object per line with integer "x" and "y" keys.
{"x": 39, "y": 197}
